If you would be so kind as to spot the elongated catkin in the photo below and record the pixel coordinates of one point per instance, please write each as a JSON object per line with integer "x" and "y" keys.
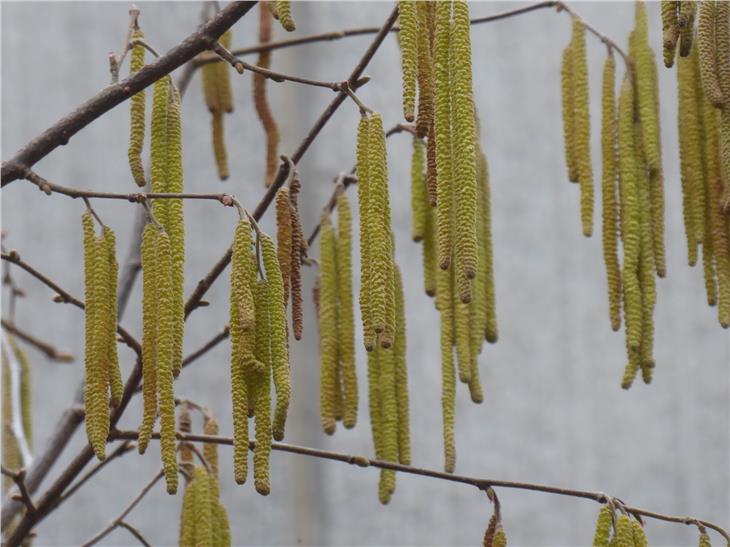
{"x": 706, "y": 42}
{"x": 136, "y": 114}
{"x": 149, "y": 334}
{"x": 327, "y": 325}
{"x": 670, "y": 30}
{"x": 710, "y": 172}
{"x": 259, "y": 373}
{"x": 116, "y": 386}
{"x": 261, "y": 101}
{"x": 567, "y": 89}
{"x": 603, "y": 527}
{"x": 401, "y": 374}
{"x": 425, "y": 12}
{"x": 284, "y": 238}
{"x": 407, "y": 36}
{"x": 646, "y": 95}
{"x": 388, "y": 421}
{"x": 582, "y": 126}
{"x": 298, "y": 252}
{"x": 444, "y": 300}
{"x": 419, "y": 200}
{"x": 283, "y": 14}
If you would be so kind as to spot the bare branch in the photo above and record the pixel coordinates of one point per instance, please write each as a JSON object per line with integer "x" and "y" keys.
{"x": 136, "y": 533}
{"x": 19, "y": 479}
{"x": 50, "y": 351}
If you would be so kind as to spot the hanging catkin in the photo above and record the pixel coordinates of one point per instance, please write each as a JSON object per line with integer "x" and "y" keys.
{"x": 704, "y": 540}
{"x": 646, "y": 95}
{"x": 327, "y": 325}
{"x": 11, "y": 457}
{"x": 136, "y": 114}
{"x": 425, "y": 12}
{"x": 656, "y": 188}
{"x": 223, "y": 68}
{"x": 259, "y": 373}
{"x": 670, "y": 30}
{"x": 284, "y": 238}
{"x": 711, "y": 171}
{"x": 109, "y": 250}
{"x": 282, "y": 12}
{"x": 686, "y": 19}
{"x": 624, "y": 533}
{"x": 345, "y": 313}
{"x": 444, "y": 302}
{"x": 500, "y": 537}
{"x": 706, "y": 42}
{"x": 401, "y": 374}
{"x": 187, "y": 514}
{"x": 638, "y": 534}
{"x": 490, "y": 313}
{"x": 388, "y": 421}
{"x": 419, "y": 199}
{"x": 25, "y": 391}
{"x": 203, "y": 517}
{"x": 429, "y": 253}
{"x": 567, "y": 91}
{"x": 243, "y": 334}
{"x": 298, "y": 251}
{"x": 603, "y": 527}
{"x": 609, "y": 181}
{"x": 149, "y": 334}
{"x": 407, "y": 36}
{"x": 261, "y": 102}
{"x": 582, "y": 125}
{"x": 219, "y": 99}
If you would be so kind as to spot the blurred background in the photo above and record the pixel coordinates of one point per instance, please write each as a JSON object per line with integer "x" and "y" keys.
{"x": 554, "y": 412}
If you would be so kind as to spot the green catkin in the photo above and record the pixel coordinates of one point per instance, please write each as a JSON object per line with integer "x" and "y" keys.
{"x": 706, "y": 42}
{"x": 327, "y": 326}
{"x": 11, "y": 457}
{"x": 210, "y": 86}
{"x": 345, "y": 312}
{"x": 500, "y": 537}
{"x": 187, "y": 516}
{"x": 136, "y": 114}
{"x": 242, "y": 333}
{"x": 443, "y": 135}
{"x": 210, "y": 450}
{"x": 96, "y": 386}
{"x": 425, "y": 19}
{"x": 203, "y": 509}
{"x": 710, "y": 164}
{"x": 624, "y": 532}
{"x": 609, "y": 181}
{"x": 149, "y": 334}
{"x": 225, "y": 93}
{"x": 401, "y": 375}
{"x": 461, "y": 332}
{"x": 448, "y": 385}
{"x": 603, "y": 527}
{"x": 704, "y": 540}
{"x": 646, "y": 95}
{"x": 175, "y": 223}
{"x": 464, "y": 134}
{"x": 283, "y": 14}
{"x": 670, "y": 30}
{"x": 265, "y": 299}
{"x": 164, "y": 348}
{"x": 221, "y": 527}
{"x": 407, "y": 35}
{"x": 363, "y": 198}
{"x": 429, "y": 253}
{"x": 722, "y": 40}
{"x": 279, "y": 336}
{"x": 219, "y": 145}
{"x": 284, "y": 238}
{"x": 686, "y": 20}
{"x": 431, "y": 167}
{"x": 374, "y": 401}
{"x": 567, "y": 89}
{"x": 158, "y": 145}
{"x": 582, "y": 126}
{"x": 388, "y": 421}
{"x": 116, "y": 385}
{"x": 419, "y": 198}
{"x": 656, "y": 188}
{"x": 388, "y": 335}
{"x": 491, "y": 331}
{"x": 638, "y": 534}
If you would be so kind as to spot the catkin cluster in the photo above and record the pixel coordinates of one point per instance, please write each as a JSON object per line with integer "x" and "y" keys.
{"x": 11, "y": 454}
{"x": 577, "y": 122}
{"x": 219, "y": 100}
{"x": 627, "y": 532}
{"x": 259, "y": 352}
{"x": 103, "y": 378}
{"x": 204, "y": 519}
{"x": 338, "y": 379}
{"x": 136, "y": 114}
{"x": 281, "y": 10}
{"x": 260, "y": 99}
{"x": 703, "y": 83}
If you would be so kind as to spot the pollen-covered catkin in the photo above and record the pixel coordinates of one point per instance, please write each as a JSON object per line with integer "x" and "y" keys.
{"x": 210, "y": 450}
{"x": 109, "y": 250}
{"x": 259, "y": 373}
{"x": 490, "y": 318}
{"x": 425, "y": 18}
{"x": 706, "y": 42}
{"x": 345, "y": 312}
{"x": 409, "y": 55}
{"x": 429, "y": 253}
{"x": 261, "y": 102}
{"x": 582, "y": 126}
{"x": 567, "y": 91}
{"x": 624, "y": 533}
{"x": 609, "y": 181}
{"x": 242, "y": 333}
{"x": 646, "y": 95}
{"x": 283, "y": 14}
{"x": 149, "y": 334}
{"x": 638, "y": 534}
{"x": 158, "y": 143}
{"x": 187, "y": 515}
{"x": 704, "y": 540}
{"x": 686, "y": 19}
{"x": 603, "y": 527}
{"x": 720, "y": 244}
{"x": 284, "y": 238}
{"x": 500, "y": 537}
{"x": 444, "y": 301}
{"x": 670, "y": 30}
{"x": 401, "y": 374}
{"x": 219, "y": 145}
{"x": 711, "y": 171}
{"x": 136, "y": 115}
{"x": 203, "y": 508}
{"x": 225, "y": 93}
{"x": 298, "y": 251}
{"x": 419, "y": 199}
{"x": 431, "y": 168}
{"x": 388, "y": 421}
{"x": 327, "y": 325}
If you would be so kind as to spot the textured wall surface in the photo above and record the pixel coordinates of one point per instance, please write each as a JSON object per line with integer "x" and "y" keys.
{"x": 554, "y": 412}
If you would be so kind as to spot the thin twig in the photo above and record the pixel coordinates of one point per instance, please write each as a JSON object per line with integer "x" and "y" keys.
{"x": 136, "y": 533}
{"x": 50, "y": 351}
{"x": 481, "y": 483}
{"x": 118, "y": 521}
{"x": 19, "y": 480}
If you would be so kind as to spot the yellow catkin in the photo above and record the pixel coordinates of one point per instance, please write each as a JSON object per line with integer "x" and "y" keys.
{"x": 448, "y": 384}
{"x": 284, "y": 238}
{"x": 345, "y": 312}
{"x": 409, "y": 55}
{"x": 219, "y": 145}
{"x": 116, "y": 385}
{"x": 221, "y": 527}
{"x": 203, "y": 514}
{"x": 327, "y": 325}
{"x": 187, "y": 515}
{"x": 464, "y": 134}
{"x": 223, "y": 75}
{"x": 704, "y": 540}
{"x": 97, "y": 379}
{"x": 260, "y": 375}
{"x": 443, "y": 134}
{"x": 490, "y": 330}
{"x": 722, "y": 40}
{"x": 431, "y": 168}
{"x": 582, "y": 126}
{"x": 185, "y": 425}
{"x": 567, "y": 88}
{"x": 624, "y": 533}
{"x": 638, "y": 534}
{"x": 603, "y": 527}
{"x": 158, "y": 144}
{"x": 261, "y": 102}
{"x": 500, "y": 537}
{"x": 164, "y": 348}
{"x": 706, "y": 43}
{"x": 210, "y": 450}
{"x": 711, "y": 171}
{"x": 419, "y": 199}
{"x": 210, "y": 86}
{"x": 646, "y": 96}
{"x": 461, "y": 332}
{"x": 136, "y": 115}
{"x": 242, "y": 333}
{"x": 149, "y": 334}
{"x": 429, "y": 253}
{"x": 425, "y": 18}
{"x": 374, "y": 401}
{"x": 283, "y": 14}
{"x": 298, "y": 251}
{"x": 387, "y": 337}
{"x": 686, "y": 19}
{"x": 656, "y": 188}
{"x": 401, "y": 374}
{"x": 670, "y": 30}
{"x": 720, "y": 238}
{"x": 609, "y": 180}
{"x": 388, "y": 421}
{"x": 363, "y": 198}
{"x": 278, "y": 334}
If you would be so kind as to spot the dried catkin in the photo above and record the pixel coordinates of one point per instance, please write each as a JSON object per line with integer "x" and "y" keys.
{"x": 283, "y": 14}
{"x": 401, "y": 374}
{"x": 409, "y": 55}
{"x": 345, "y": 312}
{"x": 242, "y": 333}
{"x": 646, "y": 95}
{"x": 708, "y": 58}
{"x": 260, "y": 99}
{"x": 488, "y": 540}
{"x": 149, "y": 334}
{"x": 670, "y": 30}
{"x": 136, "y": 114}
{"x": 444, "y": 301}
{"x": 284, "y": 238}
{"x": 260, "y": 374}
{"x": 425, "y": 18}
{"x": 419, "y": 199}
{"x": 609, "y": 181}
{"x": 96, "y": 347}
{"x": 582, "y": 125}
{"x": 686, "y": 19}
{"x": 298, "y": 250}
{"x": 603, "y": 527}
{"x": 567, "y": 89}
{"x": 116, "y": 386}
{"x": 327, "y": 325}
{"x": 443, "y": 135}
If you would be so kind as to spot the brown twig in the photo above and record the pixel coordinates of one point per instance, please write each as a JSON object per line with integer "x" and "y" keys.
{"x": 481, "y": 483}
{"x": 136, "y": 533}
{"x": 19, "y": 480}
{"x": 50, "y": 351}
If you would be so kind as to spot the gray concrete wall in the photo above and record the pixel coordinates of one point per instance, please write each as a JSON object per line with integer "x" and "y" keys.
{"x": 554, "y": 412}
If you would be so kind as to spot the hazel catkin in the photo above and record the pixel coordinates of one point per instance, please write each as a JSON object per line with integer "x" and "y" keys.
{"x": 283, "y": 14}
{"x": 261, "y": 102}
{"x": 407, "y": 36}
{"x": 136, "y": 114}
{"x": 582, "y": 126}
{"x": 401, "y": 374}
{"x": 706, "y": 42}
{"x": 284, "y": 238}
{"x": 328, "y": 325}
{"x": 444, "y": 302}
{"x": 646, "y": 96}
{"x": 149, "y": 334}
{"x": 568, "y": 102}
{"x": 298, "y": 251}
{"x": 116, "y": 385}
{"x": 603, "y": 527}
{"x": 425, "y": 12}
{"x": 670, "y": 30}
{"x": 259, "y": 373}
{"x": 419, "y": 200}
